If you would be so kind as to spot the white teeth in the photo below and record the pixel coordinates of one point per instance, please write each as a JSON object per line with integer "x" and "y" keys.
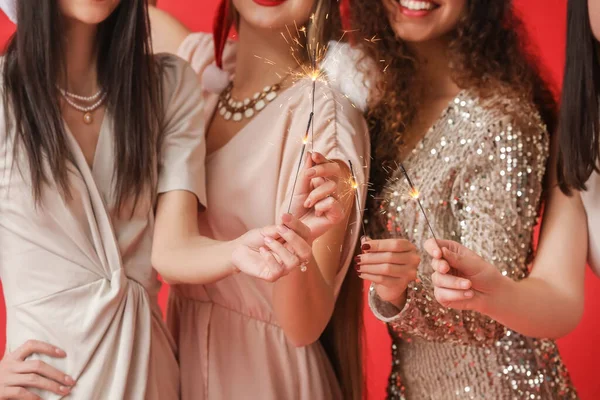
{"x": 417, "y": 5}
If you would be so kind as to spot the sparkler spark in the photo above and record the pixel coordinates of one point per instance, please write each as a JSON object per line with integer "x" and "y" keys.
{"x": 414, "y": 193}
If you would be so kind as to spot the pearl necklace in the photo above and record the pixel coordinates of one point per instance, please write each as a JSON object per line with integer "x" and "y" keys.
{"x": 87, "y": 111}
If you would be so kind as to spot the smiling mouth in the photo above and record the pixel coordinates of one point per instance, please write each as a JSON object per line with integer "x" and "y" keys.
{"x": 413, "y": 5}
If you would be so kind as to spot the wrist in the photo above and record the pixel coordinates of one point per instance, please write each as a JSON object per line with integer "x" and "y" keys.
{"x": 231, "y": 247}
{"x": 391, "y": 297}
{"x": 399, "y": 302}
{"x": 493, "y": 301}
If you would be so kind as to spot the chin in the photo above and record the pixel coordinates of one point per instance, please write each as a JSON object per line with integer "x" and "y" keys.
{"x": 415, "y": 35}
{"x": 91, "y": 12}
{"x": 274, "y": 14}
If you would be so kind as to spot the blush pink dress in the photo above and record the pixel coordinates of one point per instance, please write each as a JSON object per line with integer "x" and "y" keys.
{"x": 230, "y": 343}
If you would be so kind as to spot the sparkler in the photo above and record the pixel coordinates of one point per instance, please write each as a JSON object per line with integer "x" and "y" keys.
{"x": 314, "y": 77}
{"x": 414, "y": 193}
{"x": 354, "y": 185}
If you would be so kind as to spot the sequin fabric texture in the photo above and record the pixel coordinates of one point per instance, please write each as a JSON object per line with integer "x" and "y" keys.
{"x": 479, "y": 172}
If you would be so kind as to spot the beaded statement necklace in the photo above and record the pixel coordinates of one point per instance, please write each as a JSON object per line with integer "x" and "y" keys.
{"x": 236, "y": 110}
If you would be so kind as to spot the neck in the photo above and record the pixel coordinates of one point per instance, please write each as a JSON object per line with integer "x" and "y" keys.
{"x": 81, "y": 69}
{"x": 265, "y": 55}
{"x": 434, "y": 72}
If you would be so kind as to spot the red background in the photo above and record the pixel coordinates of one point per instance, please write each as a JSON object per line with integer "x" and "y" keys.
{"x": 545, "y": 21}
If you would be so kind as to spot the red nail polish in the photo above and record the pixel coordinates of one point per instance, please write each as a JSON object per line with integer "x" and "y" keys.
{"x": 357, "y": 259}
{"x": 358, "y": 273}
{"x": 357, "y": 267}
{"x": 365, "y": 247}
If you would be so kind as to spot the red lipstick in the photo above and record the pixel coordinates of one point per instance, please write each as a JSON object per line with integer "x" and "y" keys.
{"x": 269, "y": 3}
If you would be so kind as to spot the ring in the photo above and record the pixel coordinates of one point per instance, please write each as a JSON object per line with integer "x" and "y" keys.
{"x": 303, "y": 266}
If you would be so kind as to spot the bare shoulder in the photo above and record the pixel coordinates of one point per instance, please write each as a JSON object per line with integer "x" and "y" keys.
{"x": 167, "y": 31}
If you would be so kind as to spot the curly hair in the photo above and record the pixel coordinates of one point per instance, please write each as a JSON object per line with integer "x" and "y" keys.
{"x": 488, "y": 53}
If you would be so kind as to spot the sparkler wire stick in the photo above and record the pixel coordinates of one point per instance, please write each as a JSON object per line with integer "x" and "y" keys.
{"x": 314, "y": 90}
{"x": 304, "y": 141}
{"x": 357, "y": 198}
{"x": 415, "y": 195}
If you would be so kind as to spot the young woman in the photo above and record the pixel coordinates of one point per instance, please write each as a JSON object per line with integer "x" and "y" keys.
{"x": 469, "y": 115}
{"x": 240, "y": 337}
{"x": 549, "y": 303}
{"x": 93, "y": 127}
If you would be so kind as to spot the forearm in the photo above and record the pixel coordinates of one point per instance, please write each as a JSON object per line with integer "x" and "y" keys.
{"x": 534, "y": 307}
{"x": 303, "y": 303}
{"x": 195, "y": 260}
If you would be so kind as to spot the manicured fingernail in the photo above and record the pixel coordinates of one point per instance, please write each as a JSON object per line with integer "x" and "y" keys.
{"x": 365, "y": 247}
{"x": 310, "y": 172}
{"x": 63, "y": 389}
{"x": 357, "y": 259}
{"x": 282, "y": 228}
{"x": 358, "y": 273}
{"x": 437, "y": 253}
{"x": 69, "y": 380}
{"x": 60, "y": 352}
{"x": 469, "y": 293}
{"x": 357, "y": 267}
{"x": 268, "y": 239}
{"x": 464, "y": 284}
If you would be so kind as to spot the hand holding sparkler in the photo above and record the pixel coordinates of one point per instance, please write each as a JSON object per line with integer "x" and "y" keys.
{"x": 462, "y": 279}
{"x": 390, "y": 264}
{"x": 314, "y": 200}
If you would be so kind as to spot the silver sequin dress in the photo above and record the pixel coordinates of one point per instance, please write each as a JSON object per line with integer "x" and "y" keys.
{"x": 479, "y": 171}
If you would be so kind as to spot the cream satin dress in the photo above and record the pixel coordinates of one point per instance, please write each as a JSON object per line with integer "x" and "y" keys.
{"x": 77, "y": 274}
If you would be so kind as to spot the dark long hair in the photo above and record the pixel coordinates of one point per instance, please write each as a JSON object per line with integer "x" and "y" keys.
{"x": 489, "y": 53}
{"x": 35, "y": 63}
{"x": 579, "y": 125}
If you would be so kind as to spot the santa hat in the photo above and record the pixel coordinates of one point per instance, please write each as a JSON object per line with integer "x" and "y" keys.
{"x": 10, "y": 9}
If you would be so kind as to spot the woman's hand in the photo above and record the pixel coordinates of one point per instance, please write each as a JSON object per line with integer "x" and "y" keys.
{"x": 17, "y": 374}
{"x": 315, "y": 199}
{"x": 273, "y": 252}
{"x": 462, "y": 279}
{"x": 391, "y": 264}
